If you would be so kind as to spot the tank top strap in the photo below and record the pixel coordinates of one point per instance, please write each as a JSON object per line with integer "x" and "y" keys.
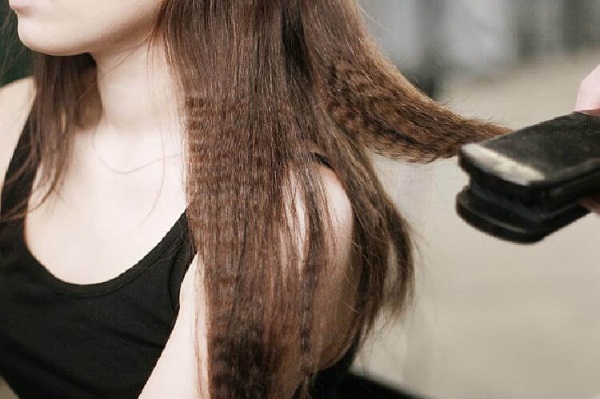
{"x": 18, "y": 181}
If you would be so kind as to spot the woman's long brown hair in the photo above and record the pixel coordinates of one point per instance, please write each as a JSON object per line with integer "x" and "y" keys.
{"x": 262, "y": 83}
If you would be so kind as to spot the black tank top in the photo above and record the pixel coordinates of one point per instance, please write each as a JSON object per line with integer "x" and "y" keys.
{"x": 63, "y": 340}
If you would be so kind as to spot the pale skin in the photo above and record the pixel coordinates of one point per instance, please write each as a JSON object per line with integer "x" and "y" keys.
{"x": 588, "y": 98}
{"x": 109, "y": 220}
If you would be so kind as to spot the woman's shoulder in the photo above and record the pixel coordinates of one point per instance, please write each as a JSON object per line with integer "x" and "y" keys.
{"x": 15, "y": 103}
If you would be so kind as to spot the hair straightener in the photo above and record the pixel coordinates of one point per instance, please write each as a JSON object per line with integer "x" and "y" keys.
{"x": 525, "y": 185}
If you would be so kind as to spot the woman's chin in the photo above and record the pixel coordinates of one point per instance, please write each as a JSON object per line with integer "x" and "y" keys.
{"x": 48, "y": 48}
{"x": 46, "y": 43}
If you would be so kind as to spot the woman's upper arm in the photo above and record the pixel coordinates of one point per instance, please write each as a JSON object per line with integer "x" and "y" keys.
{"x": 15, "y": 103}
{"x": 336, "y": 290}
{"x": 177, "y": 372}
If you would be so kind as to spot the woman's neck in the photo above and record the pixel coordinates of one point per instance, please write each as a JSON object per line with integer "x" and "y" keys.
{"x": 137, "y": 103}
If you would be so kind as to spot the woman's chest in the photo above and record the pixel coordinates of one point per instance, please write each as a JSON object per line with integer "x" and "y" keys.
{"x": 99, "y": 340}
{"x": 96, "y": 226}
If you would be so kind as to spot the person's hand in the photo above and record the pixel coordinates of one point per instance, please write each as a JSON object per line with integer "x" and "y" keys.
{"x": 588, "y": 98}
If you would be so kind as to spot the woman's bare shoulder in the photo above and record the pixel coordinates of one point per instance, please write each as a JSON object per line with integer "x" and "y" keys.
{"x": 15, "y": 103}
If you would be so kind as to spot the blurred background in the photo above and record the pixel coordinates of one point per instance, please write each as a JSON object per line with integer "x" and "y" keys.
{"x": 490, "y": 319}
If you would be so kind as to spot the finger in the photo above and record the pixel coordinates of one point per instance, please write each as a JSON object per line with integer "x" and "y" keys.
{"x": 588, "y": 96}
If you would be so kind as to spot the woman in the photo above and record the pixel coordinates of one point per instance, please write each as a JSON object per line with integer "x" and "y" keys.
{"x": 188, "y": 205}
